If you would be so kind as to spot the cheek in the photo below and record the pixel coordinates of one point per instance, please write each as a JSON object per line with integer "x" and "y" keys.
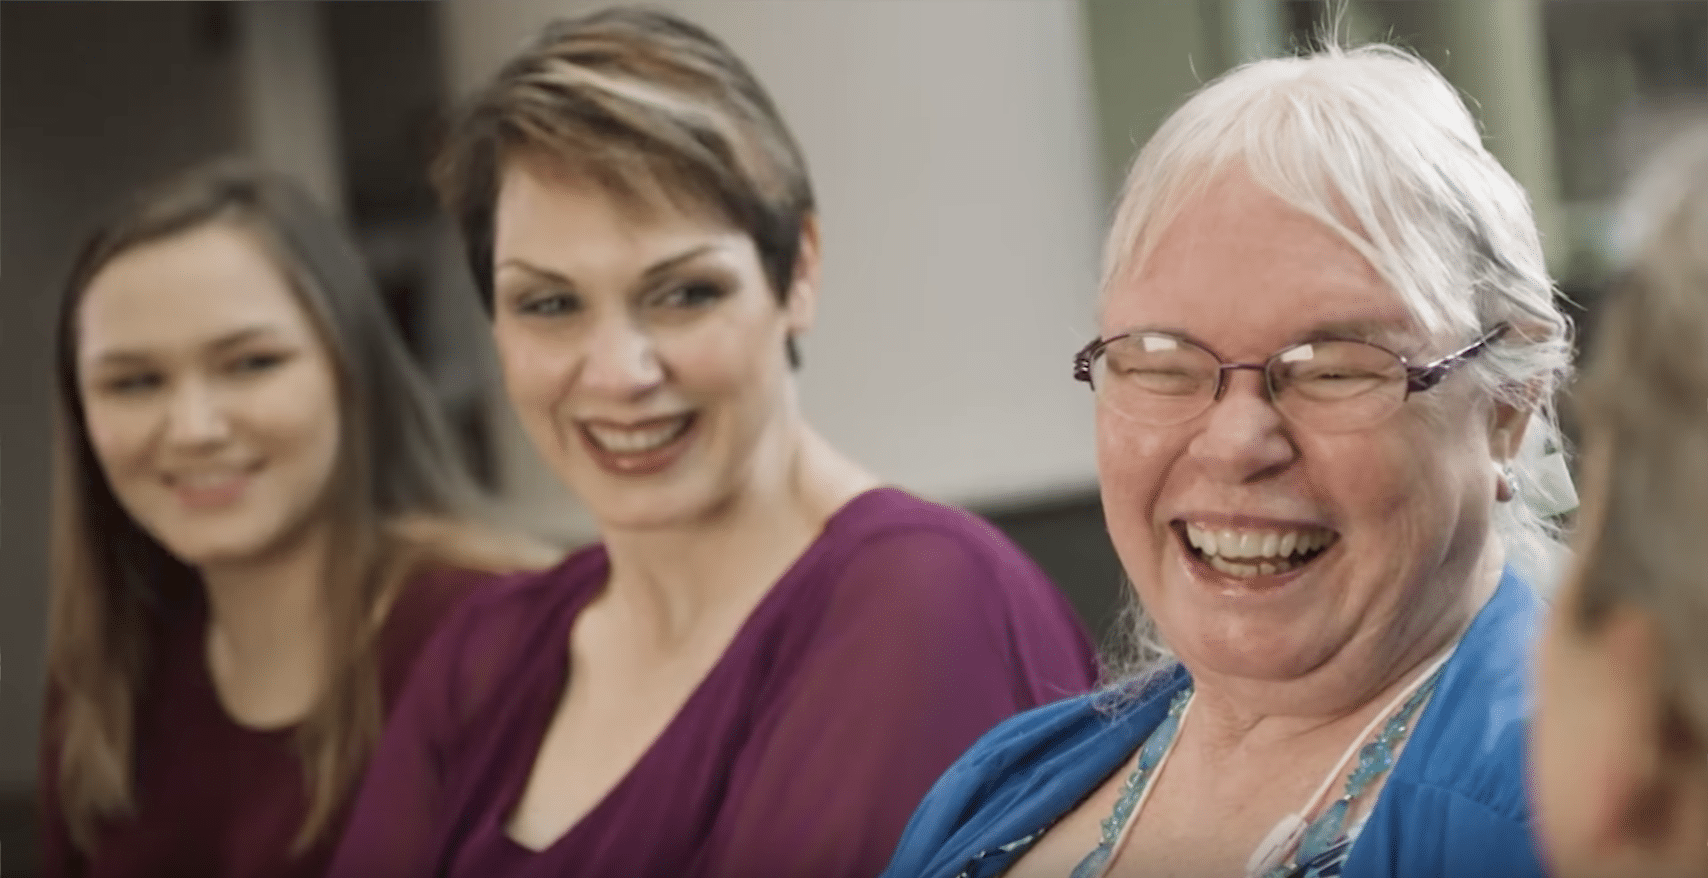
{"x": 1128, "y": 455}
{"x": 532, "y": 363}
{"x": 1132, "y": 468}
{"x": 733, "y": 357}
{"x": 304, "y": 416}
{"x": 1405, "y": 484}
{"x": 119, "y": 438}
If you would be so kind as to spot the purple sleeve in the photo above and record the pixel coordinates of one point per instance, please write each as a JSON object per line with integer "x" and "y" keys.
{"x": 394, "y": 822}
{"x": 932, "y": 638}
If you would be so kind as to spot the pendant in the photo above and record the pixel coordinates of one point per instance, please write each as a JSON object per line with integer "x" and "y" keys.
{"x": 1275, "y": 845}
{"x": 1324, "y": 830}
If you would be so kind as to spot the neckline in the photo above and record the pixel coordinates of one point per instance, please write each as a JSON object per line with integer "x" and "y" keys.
{"x": 741, "y": 644}
{"x": 1404, "y": 708}
{"x": 190, "y": 636}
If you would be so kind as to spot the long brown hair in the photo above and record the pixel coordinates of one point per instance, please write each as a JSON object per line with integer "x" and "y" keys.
{"x": 399, "y": 494}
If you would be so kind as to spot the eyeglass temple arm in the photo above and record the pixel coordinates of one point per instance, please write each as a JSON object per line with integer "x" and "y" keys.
{"x": 1421, "y": 378}
{"x": 1082, "y": 360}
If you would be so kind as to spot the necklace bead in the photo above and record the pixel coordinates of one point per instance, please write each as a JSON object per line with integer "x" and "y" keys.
{"x": 1322, "y": 834}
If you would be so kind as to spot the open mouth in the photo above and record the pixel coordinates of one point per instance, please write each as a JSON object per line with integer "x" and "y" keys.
{"x": 1245, "y": 553}
{"x": 642, "y": 438}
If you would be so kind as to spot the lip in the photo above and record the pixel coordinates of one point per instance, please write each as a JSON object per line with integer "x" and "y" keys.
{"x": 1221, "y": 583}
{"x": 642, "y": 463}
{"x": 219, "y": 495}
{"x": 1248, "y": 522}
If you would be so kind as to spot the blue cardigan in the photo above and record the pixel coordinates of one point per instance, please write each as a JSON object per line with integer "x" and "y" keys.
{"x": 1453, "y": 807}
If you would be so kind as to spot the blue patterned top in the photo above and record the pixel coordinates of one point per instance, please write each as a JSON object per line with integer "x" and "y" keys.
{"x": 1454, "y": 804}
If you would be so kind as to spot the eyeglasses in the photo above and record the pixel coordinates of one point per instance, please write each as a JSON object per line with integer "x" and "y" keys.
{"x": 1330, "y": 385}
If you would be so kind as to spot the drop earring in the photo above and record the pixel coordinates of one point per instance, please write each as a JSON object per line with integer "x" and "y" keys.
{"x": 1506, "y": 486}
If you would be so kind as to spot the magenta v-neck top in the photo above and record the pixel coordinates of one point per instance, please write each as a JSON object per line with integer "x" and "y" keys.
{"x": 903, "y": 633}
{"x": 215, "y": 799}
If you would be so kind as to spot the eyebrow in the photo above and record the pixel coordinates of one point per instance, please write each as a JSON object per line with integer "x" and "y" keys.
{"x": 653, "y": 271}
{"x": 120, "y": 357}
{"x": 1376, "y": 330}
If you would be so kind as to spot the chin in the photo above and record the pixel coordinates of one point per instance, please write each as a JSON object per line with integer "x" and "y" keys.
{"x": 237, "y": 543}
{"x": 640, "y": 508}
{"x": 214, "y": 554}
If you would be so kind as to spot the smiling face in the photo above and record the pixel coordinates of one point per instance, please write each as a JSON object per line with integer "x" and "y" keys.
{"x": 643, "y": 350}
{"x": 1310, "y": 546}
{"x": 210, "y": 400}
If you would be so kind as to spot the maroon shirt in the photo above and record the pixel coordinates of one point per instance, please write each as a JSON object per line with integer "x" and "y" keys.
{"x": 215, "y": 798}
{"x": 903, "y": 633}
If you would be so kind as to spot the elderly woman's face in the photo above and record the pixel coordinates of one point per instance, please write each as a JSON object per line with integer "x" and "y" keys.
{"x": 1320, "y": 542}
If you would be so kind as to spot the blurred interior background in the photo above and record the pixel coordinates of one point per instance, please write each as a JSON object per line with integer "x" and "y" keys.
{"x": 965, "y": 154}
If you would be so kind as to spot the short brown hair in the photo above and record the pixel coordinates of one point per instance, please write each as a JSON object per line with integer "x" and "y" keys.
{"x": 648, "y": 106}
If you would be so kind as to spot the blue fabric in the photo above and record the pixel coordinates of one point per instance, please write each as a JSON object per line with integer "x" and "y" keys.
{"x": 1453, "y": 807}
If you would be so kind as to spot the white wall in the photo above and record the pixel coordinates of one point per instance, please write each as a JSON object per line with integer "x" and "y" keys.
{"x": 952, "y": 145}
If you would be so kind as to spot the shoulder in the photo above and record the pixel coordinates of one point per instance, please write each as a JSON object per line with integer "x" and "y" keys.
{"x": 993, "y": 776}
{"x": 497, "y": 616}
{"x": 532, "y": 596}
{"x": 1024, "y": 774}
{"x": 1063, "y": 739}
{"x": 1470, "y": 740}
{"x": 1462, "y": 776}
{"x": 911, "y": 571}
{"x": 1030, "y": 741}
{"x": 931, "y": 550}
{"x": 886, "y": 513}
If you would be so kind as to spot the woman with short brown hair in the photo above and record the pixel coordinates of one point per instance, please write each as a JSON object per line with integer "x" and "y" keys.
{"x": 770, "y": 655}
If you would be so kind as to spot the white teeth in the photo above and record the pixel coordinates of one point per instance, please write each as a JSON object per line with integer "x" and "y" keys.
{"x": 624, "y": 441}
{"x": 1245, "y": 553}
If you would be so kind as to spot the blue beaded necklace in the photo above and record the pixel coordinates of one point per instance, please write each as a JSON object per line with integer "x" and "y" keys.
{"x": 1161, "y": 740}
{"x": 1374, "y": 760}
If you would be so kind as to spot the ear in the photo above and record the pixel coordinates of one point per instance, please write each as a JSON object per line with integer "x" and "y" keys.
{"x": 1653, "y": 812}
{"x": 1507, "y": 424}
{"x": 802, "y": 303}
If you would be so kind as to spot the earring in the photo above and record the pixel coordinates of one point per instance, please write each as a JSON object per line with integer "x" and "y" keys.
{"x": 1506, "y": 486}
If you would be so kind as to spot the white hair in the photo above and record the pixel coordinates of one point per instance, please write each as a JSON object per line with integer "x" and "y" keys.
{"x": 1377, "y": 146}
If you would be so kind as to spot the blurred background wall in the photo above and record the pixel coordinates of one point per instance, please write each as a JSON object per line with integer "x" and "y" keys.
{"x": 964, "y": 151}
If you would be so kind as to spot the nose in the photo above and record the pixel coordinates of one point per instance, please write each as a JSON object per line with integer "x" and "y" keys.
{"x": 621, "y": 360}
{"x": 1243, "y": 437}
{"x": 194, "y": 416}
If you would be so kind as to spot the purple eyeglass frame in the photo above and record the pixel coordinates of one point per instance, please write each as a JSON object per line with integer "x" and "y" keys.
{"x": 1418, "y": 378}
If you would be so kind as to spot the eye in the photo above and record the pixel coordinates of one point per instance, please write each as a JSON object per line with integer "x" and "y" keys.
{"x": 133, "y": 383}
{"x": 258, "y": 362}
{"x": 549, "y": 304}
{"x": 689, "y": 296}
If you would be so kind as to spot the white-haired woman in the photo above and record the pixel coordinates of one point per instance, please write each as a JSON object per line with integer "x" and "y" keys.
{"x": 1325, "y": 329}
{"x": 1621, "y": 735}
